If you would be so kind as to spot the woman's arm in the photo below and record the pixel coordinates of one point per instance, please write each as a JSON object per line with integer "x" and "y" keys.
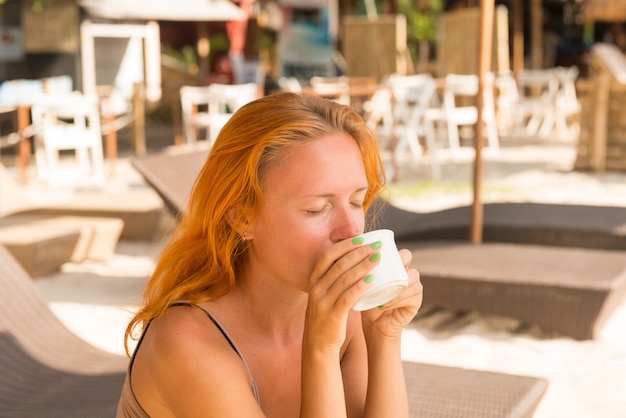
{"x": 386, "y": 389}
{"x": 337, "y": 283}
{"x": 382, "y": 328}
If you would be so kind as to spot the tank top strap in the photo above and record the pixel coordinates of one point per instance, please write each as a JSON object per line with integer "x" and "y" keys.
{"x": 221, "y": 329}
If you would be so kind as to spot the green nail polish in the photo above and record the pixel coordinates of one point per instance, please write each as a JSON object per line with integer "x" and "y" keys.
{"x": 368, "y": 278}
{"x": 375, "y": 245}
{"x": 358, "y": 240}
{"x": 375, "y": 257}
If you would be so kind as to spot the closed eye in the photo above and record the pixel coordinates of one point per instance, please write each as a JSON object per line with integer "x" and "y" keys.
{"x": 357, "y": 205}
{"x": 317, "y": 211}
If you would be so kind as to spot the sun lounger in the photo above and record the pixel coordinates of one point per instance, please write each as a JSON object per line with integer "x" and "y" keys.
{"x": 572, "y": 291}
{"x": 97, "y": 241}
{"x": 559, "y": 266}
{"x": 452, "y": 392}
{"x": 45, "y": 369}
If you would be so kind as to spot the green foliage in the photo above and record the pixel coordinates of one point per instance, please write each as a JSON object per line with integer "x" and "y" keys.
{"x": 187, "y": 55}
{"x": 421, "y": 20}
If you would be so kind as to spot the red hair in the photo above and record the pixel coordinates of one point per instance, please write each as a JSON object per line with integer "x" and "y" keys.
{"x": 200, "y": 260}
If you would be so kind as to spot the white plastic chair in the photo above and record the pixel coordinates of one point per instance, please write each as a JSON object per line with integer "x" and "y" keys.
{"x": 236, "y": 95}
{"x": 208, "y": 108}
{"x": 68, "y": 123}
{"x": 378, "y": 110}
{"x": 414, "y": 99}
{"x": 458, "y": 115}
{"x": 567, "y": 104}
{"x": 538, "y": 90}
{"x": 506, "y": 99}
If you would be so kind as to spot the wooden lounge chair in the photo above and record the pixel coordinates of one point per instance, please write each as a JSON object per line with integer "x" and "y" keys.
{"x": 45, "y": 369}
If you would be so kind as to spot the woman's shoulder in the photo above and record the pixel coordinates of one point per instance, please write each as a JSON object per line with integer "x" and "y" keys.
{"x": 181, "y": 331}
{"x": 182, "y": 352}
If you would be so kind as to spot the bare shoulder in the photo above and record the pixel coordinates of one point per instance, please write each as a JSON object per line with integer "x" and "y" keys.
{"x": 185, "y": 365}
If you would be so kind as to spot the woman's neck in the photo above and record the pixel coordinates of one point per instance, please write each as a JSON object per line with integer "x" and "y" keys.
{"x": 269, "y": 308}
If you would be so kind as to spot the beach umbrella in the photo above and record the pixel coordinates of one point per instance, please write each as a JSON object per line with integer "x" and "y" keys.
{"x": 484, "y": 63}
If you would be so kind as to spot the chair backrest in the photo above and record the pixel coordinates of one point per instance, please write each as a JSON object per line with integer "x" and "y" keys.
{"x": 235, "y": 95}
{"x": 412, "y": 95}
{"x": 76, "y": 109}
{"x": 467, "y": 85}
{"x": 333, "y": 88}
{"x": 68, "y": 122}
{"x": 539, "y": 82}
{"x": 202, "y": 96}
{"x": 379, "y": 108}
{"x": 461, "y": 84}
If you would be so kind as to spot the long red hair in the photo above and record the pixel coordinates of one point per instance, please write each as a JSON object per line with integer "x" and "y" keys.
{"x": 200, "y": 260}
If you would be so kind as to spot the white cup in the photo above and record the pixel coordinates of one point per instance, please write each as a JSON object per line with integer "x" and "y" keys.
{"x": 390, "y": 276}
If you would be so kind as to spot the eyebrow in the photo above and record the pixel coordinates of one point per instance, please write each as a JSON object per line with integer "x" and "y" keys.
{"x": 359, "y": 190}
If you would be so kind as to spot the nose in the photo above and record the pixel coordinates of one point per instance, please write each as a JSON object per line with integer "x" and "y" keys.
{"x": 347, "y": 223}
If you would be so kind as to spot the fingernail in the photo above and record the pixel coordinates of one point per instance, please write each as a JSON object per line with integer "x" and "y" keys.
{"x": 375, "y": 245}
{"x": 381, "y": 306}
{"x": 358, "y": 240}
{"x": 368, "y": 278}
{"x": 375, "y": 257}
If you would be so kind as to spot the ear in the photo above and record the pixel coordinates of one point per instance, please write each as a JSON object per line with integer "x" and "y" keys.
{"x": 239, "y": 223}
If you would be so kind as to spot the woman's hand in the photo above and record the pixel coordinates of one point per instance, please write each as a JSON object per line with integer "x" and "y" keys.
{"x": 389, "y": 320}
{"x": 337, "y": 282}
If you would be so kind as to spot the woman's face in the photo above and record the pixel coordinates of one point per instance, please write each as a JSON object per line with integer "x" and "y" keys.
{"x": 312, "y": 199}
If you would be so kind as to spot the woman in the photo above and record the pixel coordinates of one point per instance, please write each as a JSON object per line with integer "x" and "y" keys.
{"x": 249, "y": 310}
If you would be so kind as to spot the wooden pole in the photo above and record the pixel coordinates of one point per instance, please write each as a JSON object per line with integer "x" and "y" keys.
{"x": 484, "y": 64}
{"x": 139, "y": 120}
{"x": 536, "y": 34}
{"x": 23, "y": 146}
{"x": 517, "y": 12}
